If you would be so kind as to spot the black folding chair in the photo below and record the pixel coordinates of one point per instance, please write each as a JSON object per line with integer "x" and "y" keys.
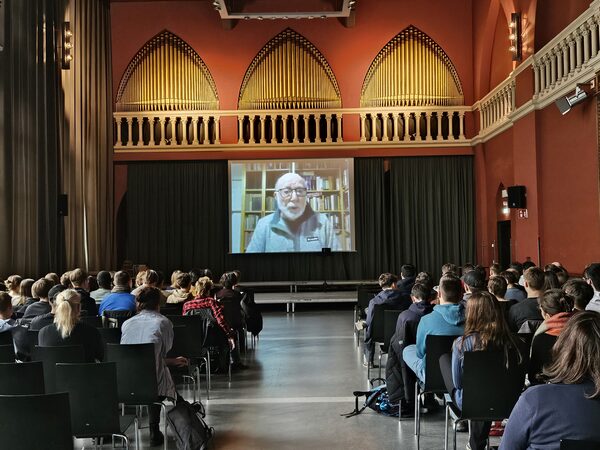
{"x": 364, "y": 294}
{"x": 92, "y": 389}
{"x": 110, "y": 335}
{"x": 571, "y": 444}
{"x": 22, "y": 378}
{"x": 376, "y": 331}
{"x": 36, "y": 422}
{"x": 6, "y": 338}
{"x": 490, "y": 389}
{"x": 136, "y": 376}
{"x": 181, "y": 347}
{"x": 115, "y": 318}
{"x": 94, "y": 321}
{"x": 7, "y": 354}
{"x": 390, "y": 317}
{"x": 52, "y": 355}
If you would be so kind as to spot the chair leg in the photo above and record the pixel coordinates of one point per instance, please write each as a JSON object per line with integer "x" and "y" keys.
{"x": 446, "y": 429}
{"x": 417, "y": 409}
{"x": 454, "y": 439}
{"x": 136, "y": 432}
{"x": 122, "y": 436}
{"x": 164, "y": 410}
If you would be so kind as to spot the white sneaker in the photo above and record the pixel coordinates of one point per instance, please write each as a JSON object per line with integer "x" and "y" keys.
{"x": 360, "y": 325}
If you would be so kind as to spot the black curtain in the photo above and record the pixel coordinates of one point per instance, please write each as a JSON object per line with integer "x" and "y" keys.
{"x": 432, "y": 211}
{"x": 178, "y": 218}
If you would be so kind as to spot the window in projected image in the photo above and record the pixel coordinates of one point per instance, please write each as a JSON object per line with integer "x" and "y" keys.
{"x": 292, "y": 205}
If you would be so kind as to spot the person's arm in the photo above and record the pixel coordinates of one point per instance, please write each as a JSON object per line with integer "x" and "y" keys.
{"x": 217, "y": 311}
{"x": 518, "y": 429}
{"x": 421, "y": 337}
{"x": 258, "y": 241}
{"x": 167, "y": 337}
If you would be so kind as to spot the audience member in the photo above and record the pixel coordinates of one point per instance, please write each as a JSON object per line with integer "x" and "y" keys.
{"x": 528, "y": 309}
{"x": 7, "y": 322}
{"x": 408, "y": 272}
{"x": 556, "y": 311}
{"x": 473, "y": 281}
{"x": 579, "y": 293}
{"x": 39, "y": 290}
{"x": 466, "y": 268}
{"x": 53, "y": 277}
{"x": 149, "y": 326}
{"x": 119, "y": 298}
{"x": 181, "y": 293}
{"x": 150, "y": 278}
{"x": 41, "y": 321}
{"x": 12, "y": 283}
{"x": 400, "y": 380}
{"x": 550, "y": 280}
{"x": 67, "y": 329}
{"x": 449, "y": 268}
{"x": 495, "y": 270}
{"x": 497, "y": 286}
{"x": 231, "y": 299}
{"x": 390, "y": 296}
{"x": 65, "y": 280}
{"x": 569, "y": 406}
{"x": 514, "y": 291}
{"x": 104, "y": 280}
{"x": 25, "y": 297}
{"x": 526, "y": 265}
{"x": 78, "y": 279}
{"x": 485, "y": 330}
{"x": 591, "y": 275}
{"x": 173, "y": 285}
{"x": 446, "y": 319}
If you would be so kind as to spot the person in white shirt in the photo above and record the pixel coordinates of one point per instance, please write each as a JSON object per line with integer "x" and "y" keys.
{"x": 591, "y": 275}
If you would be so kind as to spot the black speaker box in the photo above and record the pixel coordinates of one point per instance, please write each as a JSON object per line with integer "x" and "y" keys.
{"x": 517, "y": 197}
{"x": 63, "y": 205}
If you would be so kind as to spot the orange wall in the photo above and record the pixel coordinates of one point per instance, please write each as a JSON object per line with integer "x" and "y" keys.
{"x": 553, "y": 16}
{"x": 349, "y": 51}
{"x": 501, "y": 61}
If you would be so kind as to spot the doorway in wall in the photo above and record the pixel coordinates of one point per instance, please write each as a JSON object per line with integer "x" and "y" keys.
{"x": 503, "y": 241}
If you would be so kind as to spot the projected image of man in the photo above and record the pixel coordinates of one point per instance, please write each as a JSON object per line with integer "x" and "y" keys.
{"x": 294, "y": 226}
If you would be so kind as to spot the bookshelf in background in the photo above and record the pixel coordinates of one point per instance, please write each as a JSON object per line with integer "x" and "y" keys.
{"x": 328, "y": 193}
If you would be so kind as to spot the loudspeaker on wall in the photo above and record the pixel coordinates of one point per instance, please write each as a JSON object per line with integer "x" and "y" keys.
{"x": 517, "y": 197}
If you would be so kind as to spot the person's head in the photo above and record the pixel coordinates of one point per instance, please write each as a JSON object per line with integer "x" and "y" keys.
{"x": 497, "y": 286}
{"x": 195, "y": 274}
{"x": 67, "y": 307}
{"x": 484, "y": 317}
{"x": 495, "y": 270}
{"x": 204, "y": 286}
{"x": 528, "y": 265}
{"x": 238, "y": 274}
{"x": 550, "y": 280}
{"x": 290, "y": 193}
{"x": 449, "y": 268}
{"x": 387, "y": 280}
{"x": 174, "y": 277}
{"x": 78, "y": 278}
{"x": 53, "y": 277}
{"x": 25, "y": 288}
{"x": 534, "y": 281}
{"x": 408, "y": 271}
{"x": 183, "y": 280}
{"x": 450, "y": 290}
{"x": 104, "y": 279}
{"x": 151, "y": 278}
{"x": 148, "y": 298}
{"x": 579, "y": 292}
{"x": 6, "y": 308}
{"x": 511, "y": 276}
{"x": 65, "y": 279}
{"x": 122, "y": 279}
{"x": 12, "y": 283}
{"x": 426, "y": 279}
{"x": 466, "y": 268}
{"x": 140, "y": 277}
{"x": 554, "y": 301}
{"x": 575, "y": 354}
{"x": 517, "y": 266}
{"x": 228, "y": 280}
{"x": 53, "y": 293}
{"x": 420, "y": 293}
{"x": 91, "y": 283}
{"x": 563, "y": 276}
{"x": 591, "y": 275}
{"x": 474, "y": 280}
{"x": 40, "y": 288}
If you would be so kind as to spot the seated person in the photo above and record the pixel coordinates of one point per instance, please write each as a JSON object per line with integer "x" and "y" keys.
{"x": 473, "y": 281}
{"x": 41, "y": 321}
{"x": 514, "y": 291}
{"x": 149, "y": 278}
{"x": 556, "y": 311}
{"x": 528, "y": 309}
{"x": 181, "y": 293}
{"x": 67, "y": 329}
{"x": 25, "y": 297}
{"x": 497, "y": 287}
{"x": 120, "y": 298}
{"x": 400, "y": 381}
{"x": 569, "y": 406}
{"x": 9, "y": 325}
{"x": 231, "y": 299}
{"x": 389, "y": 296}
{"x": 40, "y": 290}
{"x": 408, "y": 273}
{"x": 446, "y": 319}
{"x": 485, "y": 329}
{"x": 79, "y": 281}
{"x": 12, "y": 284}
{"x": 579, "y": 293}
{"x": 104, "y": 280}
{"x": 150, "y": 326}
{"x": 591, "y": 275}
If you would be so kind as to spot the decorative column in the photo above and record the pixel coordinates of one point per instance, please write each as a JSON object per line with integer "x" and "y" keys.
{"x": 252, "y": 118}
{"x": 362, "y": 129}
{"x": 384, "y": 127}
{"x": 217, "y": 130}
{"x": 284, "y": 139}
{"x": 195, "y": 133}
{"x": 553, "y": 78}
{"x": 461, "y": 125}
{"x": 536, "y": 73}
{"x": 417, "y": 126}
{"x": 241, "y": 129}
{"x": 572, "y": 58}
{"x": 119, "y": 141}
{"x": 586, "y": 33}
{"x": 578, "y": 48}
{"x": 296, "y": 137}
{"x": 593, "y": 35}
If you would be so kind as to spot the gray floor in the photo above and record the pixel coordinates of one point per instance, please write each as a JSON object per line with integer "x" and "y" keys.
{"x": 301, "y": 377}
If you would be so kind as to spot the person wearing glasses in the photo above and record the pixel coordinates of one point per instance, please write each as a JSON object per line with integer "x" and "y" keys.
{"x": 294, "y": 226}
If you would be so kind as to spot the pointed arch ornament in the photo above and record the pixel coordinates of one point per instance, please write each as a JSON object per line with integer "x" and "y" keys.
{"x": 411, "y": 70}
{"x": 289, "y": 72}
{"x": 167, "y": 74}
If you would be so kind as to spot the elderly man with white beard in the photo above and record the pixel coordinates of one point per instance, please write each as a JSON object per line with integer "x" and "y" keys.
{"x": 295, "y": 226}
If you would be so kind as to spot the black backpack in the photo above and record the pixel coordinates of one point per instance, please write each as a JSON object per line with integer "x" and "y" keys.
{"x": 252, "y": 314}
{"x": 187, "y": 422}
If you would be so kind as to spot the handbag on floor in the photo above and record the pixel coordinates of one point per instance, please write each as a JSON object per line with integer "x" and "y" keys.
{"x": 188, "y": 425}
{"x": 376, "y": 399}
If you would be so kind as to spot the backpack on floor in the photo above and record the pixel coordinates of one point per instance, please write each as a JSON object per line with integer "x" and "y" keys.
{"x": 187, "y": 422}
{"x": 376, "y": 399}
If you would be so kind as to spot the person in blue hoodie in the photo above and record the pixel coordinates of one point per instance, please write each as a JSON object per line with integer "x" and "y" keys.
{"x": 447, "y": 319}
{"x": 389, "y": 295}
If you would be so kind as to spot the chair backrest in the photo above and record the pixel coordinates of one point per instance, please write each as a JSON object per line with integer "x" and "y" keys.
{"x": 7, "y": 354}
{"x": 172, "y": 309}
{"x": 571, "y": 444}
{"x": 117, "y": 317}
{"x": 110, "y": 335}
{"x": 92, "y": 389}
{"x": 490, "y": 388}
{"x": 6, "y": 338}
{"x": 193, "y": 339}
{"x": 94, "y": 321}
{"x": 179, "y": 347}
{"x": 36, "y": 421}
{"x": 52, "y": 355}
{"x": 22, "y": 378}
{"x": 390, "y": 317}
{"x": 435, "y": 347}
{"x": 33, "y": 338}
{"x": 136, "y": 372}
{"x": 364, "y": 295}
{"x": 377, "y": 323}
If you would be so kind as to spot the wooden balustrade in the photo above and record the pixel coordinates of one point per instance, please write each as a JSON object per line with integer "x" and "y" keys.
{"x": 495, "y": 107}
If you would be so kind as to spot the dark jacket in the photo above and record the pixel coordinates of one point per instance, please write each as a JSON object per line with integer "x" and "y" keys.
{"x": 523, "y": 311}
{"x": 392, "y": 297}
{"x": 232, "y": 308}
{"x": 83, "y": 334}
{"x": 405, "y": 285}
{"x": 37, "y": 309}
{"x": 87, "y": 303}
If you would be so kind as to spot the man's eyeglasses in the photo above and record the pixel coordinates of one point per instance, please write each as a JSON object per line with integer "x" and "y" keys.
{"x": 287, "y": 192}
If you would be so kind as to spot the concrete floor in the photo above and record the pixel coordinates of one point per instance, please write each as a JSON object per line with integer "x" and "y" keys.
{"x": 300, "y": 379}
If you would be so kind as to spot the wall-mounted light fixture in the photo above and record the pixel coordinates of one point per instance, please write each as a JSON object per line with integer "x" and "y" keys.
{"x": 515, "y": 38}
{"x": 67, "y": 46}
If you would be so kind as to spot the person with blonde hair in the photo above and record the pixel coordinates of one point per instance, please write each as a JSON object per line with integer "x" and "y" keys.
{"x": 25, "y": 297}
{"x": 67, "y": 329}
{"x": 12, "y": 284}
